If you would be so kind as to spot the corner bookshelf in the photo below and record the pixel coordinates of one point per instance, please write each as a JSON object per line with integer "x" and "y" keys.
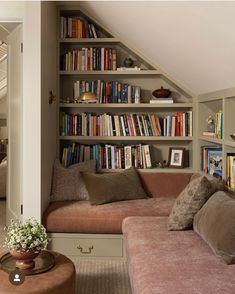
{"x": 149, "y": 78}
{"x": 210, "y": 104}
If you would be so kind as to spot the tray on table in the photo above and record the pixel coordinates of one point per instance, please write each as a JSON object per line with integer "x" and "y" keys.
{"x": 43, "y": 262}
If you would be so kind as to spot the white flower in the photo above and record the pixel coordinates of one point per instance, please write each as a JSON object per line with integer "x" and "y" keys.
{"x": 28, "y": 235}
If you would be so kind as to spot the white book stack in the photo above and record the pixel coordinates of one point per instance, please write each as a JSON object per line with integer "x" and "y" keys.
{"x": 154, "y": 100}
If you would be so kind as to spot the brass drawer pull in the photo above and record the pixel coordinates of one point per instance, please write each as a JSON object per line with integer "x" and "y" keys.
{"x": 85, "y": 252}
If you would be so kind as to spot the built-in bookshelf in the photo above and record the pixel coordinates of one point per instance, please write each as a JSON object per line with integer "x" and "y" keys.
{"x": 214, "y": 104}
{"x": 123, "y": 123}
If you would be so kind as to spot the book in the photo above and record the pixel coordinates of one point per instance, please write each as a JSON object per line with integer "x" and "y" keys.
{"x": 147, "y": 156}
{"x": 128, "y": 68}
{"x": 128, "y": 157}
{"x": 156, "y": 101}
{"x": 206, "y": 133}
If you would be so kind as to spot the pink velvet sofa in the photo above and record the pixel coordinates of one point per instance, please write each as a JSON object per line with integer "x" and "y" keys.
{"x": 82, "y": 217}
{"x": 172, "y": 262}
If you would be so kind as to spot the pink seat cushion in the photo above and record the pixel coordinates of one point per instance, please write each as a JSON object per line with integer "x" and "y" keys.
{"x": 162, "y": 261}
{"x": 82, "y": 217}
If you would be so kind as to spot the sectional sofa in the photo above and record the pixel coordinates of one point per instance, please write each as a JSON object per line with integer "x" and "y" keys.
{"x": 159, "y": 261}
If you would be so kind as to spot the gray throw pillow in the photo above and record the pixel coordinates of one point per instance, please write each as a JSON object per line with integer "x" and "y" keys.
{"x": 215, "y": 223}
{"x": 111, "y": 187}
{"x": 187, "y": 204}
{"x": 67, "y": 183}
{"x": 217, "y": 183}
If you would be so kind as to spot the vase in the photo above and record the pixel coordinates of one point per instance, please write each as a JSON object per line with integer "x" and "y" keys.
{"x": 210, "y": 128}
{"x": 24, "y": 259}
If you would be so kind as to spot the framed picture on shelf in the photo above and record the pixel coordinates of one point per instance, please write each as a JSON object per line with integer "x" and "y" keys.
{"x": 176, "y": 157}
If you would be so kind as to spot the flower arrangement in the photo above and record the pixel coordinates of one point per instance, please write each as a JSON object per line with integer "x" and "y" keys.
{"x": 210, "y": 120}
{"x": 28, "y": 236}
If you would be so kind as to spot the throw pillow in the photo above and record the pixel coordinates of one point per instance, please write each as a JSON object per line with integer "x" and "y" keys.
{"x": 215, "y": 223}
{"x": 67, "y": 183}
{"x": 111, "y": 187}
{"x": 187, "y": 204}
{"x": 217, "y": 183}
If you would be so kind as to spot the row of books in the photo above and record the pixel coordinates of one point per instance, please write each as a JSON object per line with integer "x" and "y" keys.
{"x": 109, "y": 91}
{"x": 77, "y": 27}
{"x": 230, "y": 170}
{"x": 93, "y": 58}
{"x": 211, "y": 160}
{"x": 90, "y": 124}
{"x": 108, "y": 156}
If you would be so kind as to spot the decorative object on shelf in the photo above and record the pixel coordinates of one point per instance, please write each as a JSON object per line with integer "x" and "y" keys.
{"x": 176, "y": 157}
{"x": 212, "y": 160}
{"x": 210, "y": 124}
{"x": 160, "y": 164}
{"x": 67, "y": 100}
{"x": 128, "y": 62}
{"x": 233, "y": 136}
{"x": 87, "y": 97}
{"x": 25, "y": 241}
{"x": 161, "y": 93}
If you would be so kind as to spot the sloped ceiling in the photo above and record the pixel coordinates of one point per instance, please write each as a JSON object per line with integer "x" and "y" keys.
{"x": 192, "y": 41}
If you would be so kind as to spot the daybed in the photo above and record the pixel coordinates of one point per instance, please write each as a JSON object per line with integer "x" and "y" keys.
{"x": 78, "y": 223}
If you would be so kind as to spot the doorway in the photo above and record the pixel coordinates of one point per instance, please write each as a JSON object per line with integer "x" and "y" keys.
{"x": 5, "y": 30}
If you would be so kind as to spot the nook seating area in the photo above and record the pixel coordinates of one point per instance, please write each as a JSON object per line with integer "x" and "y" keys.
{"x": 159, "y": 260}
{"x": 82, "y": 217}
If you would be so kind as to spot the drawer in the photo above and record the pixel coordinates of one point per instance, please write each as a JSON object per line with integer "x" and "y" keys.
{"x": 93, "y": 246}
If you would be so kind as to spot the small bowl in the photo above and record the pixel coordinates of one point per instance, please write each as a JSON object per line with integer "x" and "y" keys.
{"x": 233, "y": 136}
{"x": 161, "y": 93}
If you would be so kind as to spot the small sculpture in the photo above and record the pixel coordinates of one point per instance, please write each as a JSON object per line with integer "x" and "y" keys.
{"x": 128, "y": 62}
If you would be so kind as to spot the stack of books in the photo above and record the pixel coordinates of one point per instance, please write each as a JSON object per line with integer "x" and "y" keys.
{"x": 108, "y": 156}
{"x": 154, "y": 100}
{"x": 211, "y": 160}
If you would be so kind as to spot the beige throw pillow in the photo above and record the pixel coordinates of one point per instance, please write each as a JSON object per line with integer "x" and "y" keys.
{"x": 67, "y": 183}
{"x": 187, "y": 204}
{"x": 105, "y": 188}
{"x": 215, "y": 223}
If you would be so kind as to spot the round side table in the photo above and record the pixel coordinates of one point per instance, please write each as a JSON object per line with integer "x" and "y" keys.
{"x": 58, "y": 280}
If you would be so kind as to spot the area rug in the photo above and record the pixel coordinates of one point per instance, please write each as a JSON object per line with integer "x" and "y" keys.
{"x": 94, "y": 276}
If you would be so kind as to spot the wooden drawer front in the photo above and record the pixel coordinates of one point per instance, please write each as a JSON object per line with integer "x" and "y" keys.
{"x": 88, "y": 247}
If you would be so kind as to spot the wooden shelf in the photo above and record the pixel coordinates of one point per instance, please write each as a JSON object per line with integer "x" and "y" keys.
{"x": 125, "y": 138}
{"x": 151, "y": 170}
{"x": 87, "y": 41}
{"x": 126, "y": 105}
{"x": 229, "y": 143}
{"x": 111, "y": 72}
{"x": 211, "y": 140}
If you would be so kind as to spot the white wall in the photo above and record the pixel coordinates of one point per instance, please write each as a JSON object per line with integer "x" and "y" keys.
{"x": 30, "y": 14}
{"x": 32, "y": 110}
{"x": 193, "y": 41}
